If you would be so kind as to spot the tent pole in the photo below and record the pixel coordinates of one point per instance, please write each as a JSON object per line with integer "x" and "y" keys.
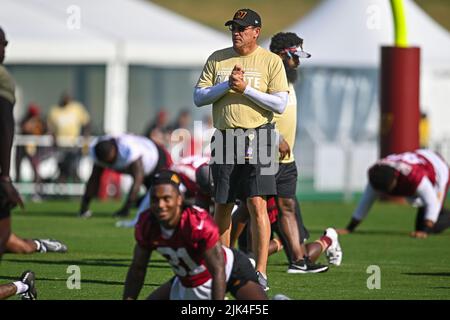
{"x": 116, "y": 95}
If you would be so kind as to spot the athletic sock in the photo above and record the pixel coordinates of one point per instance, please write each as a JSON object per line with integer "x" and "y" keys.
{"x": 327, "y": 241}
{"x": 21, "y": 287}
{"x": 279, "y": 244}
{"x": 38, "y": 245}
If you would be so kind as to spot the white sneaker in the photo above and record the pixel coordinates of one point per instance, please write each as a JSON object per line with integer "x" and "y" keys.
{"x": 334, "y": 251}
{"x": 51, "y": 245}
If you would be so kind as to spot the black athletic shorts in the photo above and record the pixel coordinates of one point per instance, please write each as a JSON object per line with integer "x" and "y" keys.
{"x": 286, "y": 179}
{"x": 241, "y": 273}
{"x": 239, "y": 171}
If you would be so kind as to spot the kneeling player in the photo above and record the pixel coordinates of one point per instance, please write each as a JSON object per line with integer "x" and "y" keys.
{"x": 189, "y": 239}
{"x": 328, "y": 243}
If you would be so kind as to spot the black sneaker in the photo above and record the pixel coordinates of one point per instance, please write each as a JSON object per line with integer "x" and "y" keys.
{"x": 51, "y": 245}
{"x": 29, "y": 279}
{"x": 262, "y": 281}
{"x": 306, "y": 266}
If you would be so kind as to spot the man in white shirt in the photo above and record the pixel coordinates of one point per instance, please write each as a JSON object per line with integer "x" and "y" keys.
{"x": 126, "y": 153}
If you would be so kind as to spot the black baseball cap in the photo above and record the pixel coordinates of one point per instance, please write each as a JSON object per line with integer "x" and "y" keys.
{"x": 245, "y": 17}
{"x": 167, "y": 177}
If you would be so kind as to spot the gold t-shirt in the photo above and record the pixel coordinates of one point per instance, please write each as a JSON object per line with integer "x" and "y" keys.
{"x": 7, "y": 86}
{"x": 67, "y": 122}
{"x": 286, "y": 123}
{"x": 263, "y": 70}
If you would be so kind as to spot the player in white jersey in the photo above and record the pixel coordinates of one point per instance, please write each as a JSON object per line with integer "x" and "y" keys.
{"x": 129, "y": 154}
{"x": 195, "y": 186}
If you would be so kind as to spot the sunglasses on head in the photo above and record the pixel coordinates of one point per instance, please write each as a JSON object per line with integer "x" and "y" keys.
{"x": 239, "y": 28}
{"x": 297, "y": 52}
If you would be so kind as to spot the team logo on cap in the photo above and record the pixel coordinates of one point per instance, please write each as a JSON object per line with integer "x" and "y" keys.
{"x": 240, "y": 14}
{"x": 175, "y": 179}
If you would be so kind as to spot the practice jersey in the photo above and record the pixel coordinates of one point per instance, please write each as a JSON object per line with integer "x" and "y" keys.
{"x": 130, "y": 148}
{"x": 7, "y": 86}
{"x": 413, "y": 167}
{"x": 263, "y": 71}
{"x": 423, "y": 178}
{"x": 272, "y": 209}
{"x": 185, "y": 247}
{"x": 186, "y": 169}
{"x": 286, "y": 123}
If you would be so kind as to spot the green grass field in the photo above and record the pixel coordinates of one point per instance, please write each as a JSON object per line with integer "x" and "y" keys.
{"x": 410, "y": 268}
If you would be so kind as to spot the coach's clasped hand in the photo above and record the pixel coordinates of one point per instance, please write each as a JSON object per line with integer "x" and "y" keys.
{"x": 236, "y": 79}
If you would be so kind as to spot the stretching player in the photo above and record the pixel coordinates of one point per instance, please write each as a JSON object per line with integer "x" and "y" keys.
{"x": 189, "y": 239}
{"x": 327, "y": 244}
{"x": 422, "y": 177}
{"x": 130, "y": 154}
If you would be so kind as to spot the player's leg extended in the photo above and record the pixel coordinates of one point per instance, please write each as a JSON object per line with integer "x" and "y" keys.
{"x": 329, "y": 244}
{"x": 19, "y": 245}
{"x": 315, "y": 249}
{"x": 7, "y": 290}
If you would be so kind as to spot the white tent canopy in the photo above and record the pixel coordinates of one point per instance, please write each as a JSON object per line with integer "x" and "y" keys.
{"x": 350, "y": 33}
{"x": 37, "y": 36}
{"x": 117, "y": 33}
{"x": 144, "y": 33}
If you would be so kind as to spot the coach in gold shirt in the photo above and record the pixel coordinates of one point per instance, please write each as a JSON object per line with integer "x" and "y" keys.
{"x": 246, "y": 85}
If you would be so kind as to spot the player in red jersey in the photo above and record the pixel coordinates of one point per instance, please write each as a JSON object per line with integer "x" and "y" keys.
{"x": 189, "y": 239}
{"x": 328, "y": 243}
{"x": 422, "y": 177}
{"x": 196, "y": 186}
{"x": 195, "y": 176}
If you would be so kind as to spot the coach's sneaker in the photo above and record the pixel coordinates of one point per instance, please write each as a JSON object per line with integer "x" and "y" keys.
{"x": 334, "y": 251}
{"x": 50, "y": 245}
{"x": 29, "y": 279}
{"x": 262, "y": 281}
{"x": 306, "y": 266}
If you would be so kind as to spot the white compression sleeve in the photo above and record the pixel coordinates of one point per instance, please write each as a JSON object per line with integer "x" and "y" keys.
{"x": 365, "y": 204}
{"x": 430, "y": 199}
{"x": 275, "y": 102}
{"x": 208, "y": 95}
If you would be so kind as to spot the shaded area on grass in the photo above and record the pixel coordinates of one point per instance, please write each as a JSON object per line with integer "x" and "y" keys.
{"x": 156, "y": 263}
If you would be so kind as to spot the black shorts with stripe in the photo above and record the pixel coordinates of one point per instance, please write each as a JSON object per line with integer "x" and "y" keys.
{"x": 241, "y": 273}
{"x": 243, "y": 169}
